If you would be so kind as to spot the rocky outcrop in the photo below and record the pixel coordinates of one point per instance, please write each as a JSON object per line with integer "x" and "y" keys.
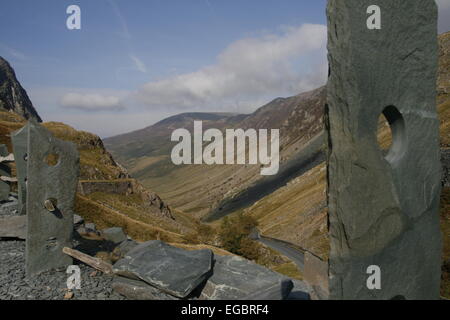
{"x": 383, "y": 210}
{"x": 13, "y": 97}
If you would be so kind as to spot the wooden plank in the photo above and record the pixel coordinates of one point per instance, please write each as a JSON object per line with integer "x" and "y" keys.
{"x": 95, "y": 263}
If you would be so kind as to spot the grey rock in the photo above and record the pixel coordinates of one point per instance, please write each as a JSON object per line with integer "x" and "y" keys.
{"x": 235, "y": 278}
{"x": 49, "y": 200}
{"x": 115, "y": 235}
{"x": 13, "y": 227}
{"x": 12, "y": 199}
{"x": 90, "y": 227}
{"x": 175, "y": 271}
{"x": 139, "y": 290}
{"x": 77, "y": 220}
{"x": 383, "y": 209}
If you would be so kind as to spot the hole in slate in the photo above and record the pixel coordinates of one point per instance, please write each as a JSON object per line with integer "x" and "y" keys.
{"x": 51, "y": 243}
{"x": 391, "y": 134}
{"x": 25, "y": 157}
{"x": 52, "y": 159}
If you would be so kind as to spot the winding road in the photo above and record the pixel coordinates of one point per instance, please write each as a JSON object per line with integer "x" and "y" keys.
{"x": 293, "y": 252}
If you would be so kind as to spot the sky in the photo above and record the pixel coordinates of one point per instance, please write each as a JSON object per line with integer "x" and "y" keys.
{"x": 135, "y": 62}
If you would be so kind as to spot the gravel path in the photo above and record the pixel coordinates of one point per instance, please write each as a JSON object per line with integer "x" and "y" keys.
{"x": 49, "y": 285}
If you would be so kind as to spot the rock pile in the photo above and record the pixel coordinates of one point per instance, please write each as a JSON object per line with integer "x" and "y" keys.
{"x": 155, "y": 270}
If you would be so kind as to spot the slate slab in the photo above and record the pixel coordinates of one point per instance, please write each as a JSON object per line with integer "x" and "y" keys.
{"x": 173, "y": 270}
{"x": 51, "y": 181}
{"x": 138, "y": 290}
{"x": 235, "y": 278}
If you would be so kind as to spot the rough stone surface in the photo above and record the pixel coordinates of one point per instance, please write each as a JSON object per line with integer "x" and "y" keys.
{"x": 383, "y": 210}
{"x": 115, "y": 235}
{"x": 175, "y": 271}
{"x": 235, "y": 278}
{"x": 138, "y": 290}
{"x": 49, "y": 231}
{"x": 13, "y": 227}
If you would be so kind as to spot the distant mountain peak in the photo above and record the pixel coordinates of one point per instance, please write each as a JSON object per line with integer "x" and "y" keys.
{"x": 13, "y": 97}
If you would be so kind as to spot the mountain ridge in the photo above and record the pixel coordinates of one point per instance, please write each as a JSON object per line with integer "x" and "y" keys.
{"x": 13, "y": 97}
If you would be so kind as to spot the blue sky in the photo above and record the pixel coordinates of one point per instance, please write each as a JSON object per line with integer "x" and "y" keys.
{"x": 135, "y": 62}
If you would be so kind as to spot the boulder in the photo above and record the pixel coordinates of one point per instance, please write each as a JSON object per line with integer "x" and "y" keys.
{"x": 13, "y": 227}
{"x": 115, "y": 235}
{"x": 138, "y": 290}
{"x": 173, "y": 270}
{"x": 236, "y": 278}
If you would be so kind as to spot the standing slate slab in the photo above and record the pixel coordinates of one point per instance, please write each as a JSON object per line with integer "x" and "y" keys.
{"x": 172, "y": 270}
{"x": 383, "y": 210}
{"x": 52, "y": 176}
{"x": 20, "y": 147}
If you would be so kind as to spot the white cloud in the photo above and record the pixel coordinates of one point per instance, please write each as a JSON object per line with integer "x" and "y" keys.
{"x": 247, "y": 70}
{"x": 140, "y": 66}
{"x": 91, "y": 102}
